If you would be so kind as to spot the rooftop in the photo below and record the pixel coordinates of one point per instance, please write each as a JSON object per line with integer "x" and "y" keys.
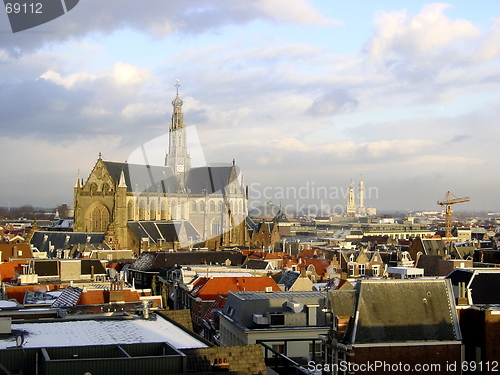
{"x": 101, "y": 332}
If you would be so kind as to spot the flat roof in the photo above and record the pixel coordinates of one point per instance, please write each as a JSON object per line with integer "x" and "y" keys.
{"x": 101, "y": 332}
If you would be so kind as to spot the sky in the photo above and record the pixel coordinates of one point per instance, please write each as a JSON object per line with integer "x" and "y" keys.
{"x": 305, "y": 95}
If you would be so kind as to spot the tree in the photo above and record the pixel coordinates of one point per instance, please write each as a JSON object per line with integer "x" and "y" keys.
{"x": 27, "y": 211}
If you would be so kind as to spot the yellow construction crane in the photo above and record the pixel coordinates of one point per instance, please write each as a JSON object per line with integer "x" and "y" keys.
{"x": 449, "y": 212}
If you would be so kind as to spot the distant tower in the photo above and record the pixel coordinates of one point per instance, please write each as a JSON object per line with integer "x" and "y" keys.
{"x": 351, "y": 202}
{"x": 178, "y": 157}
{"x": 361, "y": 197}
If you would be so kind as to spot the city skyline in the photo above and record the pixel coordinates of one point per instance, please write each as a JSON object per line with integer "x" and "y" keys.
{"x": 300, "y": 93}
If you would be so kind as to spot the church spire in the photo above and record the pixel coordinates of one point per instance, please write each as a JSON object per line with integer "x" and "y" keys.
{"x": 122, "y": 183}
{"x": 77, "y": 183}
{"x": 178, "y": 157}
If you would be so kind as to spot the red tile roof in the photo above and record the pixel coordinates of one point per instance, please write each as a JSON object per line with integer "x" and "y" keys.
{"x": 211, "y": 288}
{"x": 219, "y": 303}
{"x": 18, "y": 291}
{"x": 320, "y": 265}
{"x": 101, "y": 296}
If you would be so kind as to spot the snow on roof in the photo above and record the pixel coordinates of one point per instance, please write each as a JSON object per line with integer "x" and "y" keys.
{"x": 102, "y": 332}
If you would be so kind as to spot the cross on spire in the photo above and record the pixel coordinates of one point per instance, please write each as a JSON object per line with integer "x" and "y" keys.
{"x": 177, "y": 86}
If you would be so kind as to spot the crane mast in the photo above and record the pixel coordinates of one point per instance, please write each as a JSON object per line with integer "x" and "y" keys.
{"x": 449, "y": 212}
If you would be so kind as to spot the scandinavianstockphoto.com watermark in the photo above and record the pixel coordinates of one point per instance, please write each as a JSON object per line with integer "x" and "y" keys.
{"x": 309, "y": 198}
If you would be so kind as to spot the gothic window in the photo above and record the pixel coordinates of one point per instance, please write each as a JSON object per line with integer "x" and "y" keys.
{"x": 219, "y": 207}
{"x": 173, "y": 210}
{"x": 212, "y": 206}
{"x": 193, "y": 207}
{"x": 152, "y": 212}
{"x": 202, "y": 207}
{"x": 130, "y": 211}
{"x": 216, "y": 227}
{"x": 105, "y": 188}
{"x": 164, "y": 212}
{"x": 99, "y": 218}
{"x": 142, "y": 210}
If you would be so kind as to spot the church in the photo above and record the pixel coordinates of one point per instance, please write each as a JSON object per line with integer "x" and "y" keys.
{"x": 147, "y": 207}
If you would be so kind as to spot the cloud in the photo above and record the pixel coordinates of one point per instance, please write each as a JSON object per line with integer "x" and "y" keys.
{"x": 335, "y": 101}
{"x": 428, "y": 33}
{"x": 459, "y": 138}
{"x": 160, "y": 18}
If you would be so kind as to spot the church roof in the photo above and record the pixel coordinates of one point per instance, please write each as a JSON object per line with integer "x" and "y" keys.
{"x": 153, "y": 178}
{"x": 210, "y": 178}
{"x": 156, "y": 230}
{"x": 144, "y": 177}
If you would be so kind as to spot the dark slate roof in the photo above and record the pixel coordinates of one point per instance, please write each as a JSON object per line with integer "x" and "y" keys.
{"x": 59, "y": 239}
{"x": 430, "y": 264}
{"x": 191, "y": 231}
{"x": 487, "y": 256}
{"x": 161, "y": 179}
{"x": 162, "y": 230}
{"x": 210, "y": 178}
{"x": 145, "y": 177}
{"x": 402, "y": 310}
{"x": 281, "y": 217}
{"x": 150, "y": 261}
{"x": 288, "y": 278}
{"x": 86, "y": 267}
{"x": 154, "y": 230}
{"x": 342, "y": 302}
{"x": 255, "y": 264}
{"x": 484, "y": 287}
{"x": 460, "y": 276}
{"x": 464, "y": 252}
{"x": 434, "y": 246}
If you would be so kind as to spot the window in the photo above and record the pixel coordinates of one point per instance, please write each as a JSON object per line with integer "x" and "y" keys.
{"x": 376, "y": 270}
{"x": 361, "y": 269}
{"x": 216, "y": 227}
{"x": 130, "y": 211}
{"x": 352, "y": 267}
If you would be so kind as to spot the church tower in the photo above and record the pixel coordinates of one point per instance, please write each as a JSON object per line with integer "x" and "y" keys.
{"x": 178, "y": 157}
{"x": 351, "y": 202}
{"x": 361, "y": 209}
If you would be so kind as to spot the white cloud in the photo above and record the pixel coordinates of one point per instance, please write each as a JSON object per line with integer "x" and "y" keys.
{"x": 333, "y": 102}
{"x": 129, "y": 75}
{"x": 427, "y": 33}
{"x": 70, "y": 81}
{"x": 298, "y": 11}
